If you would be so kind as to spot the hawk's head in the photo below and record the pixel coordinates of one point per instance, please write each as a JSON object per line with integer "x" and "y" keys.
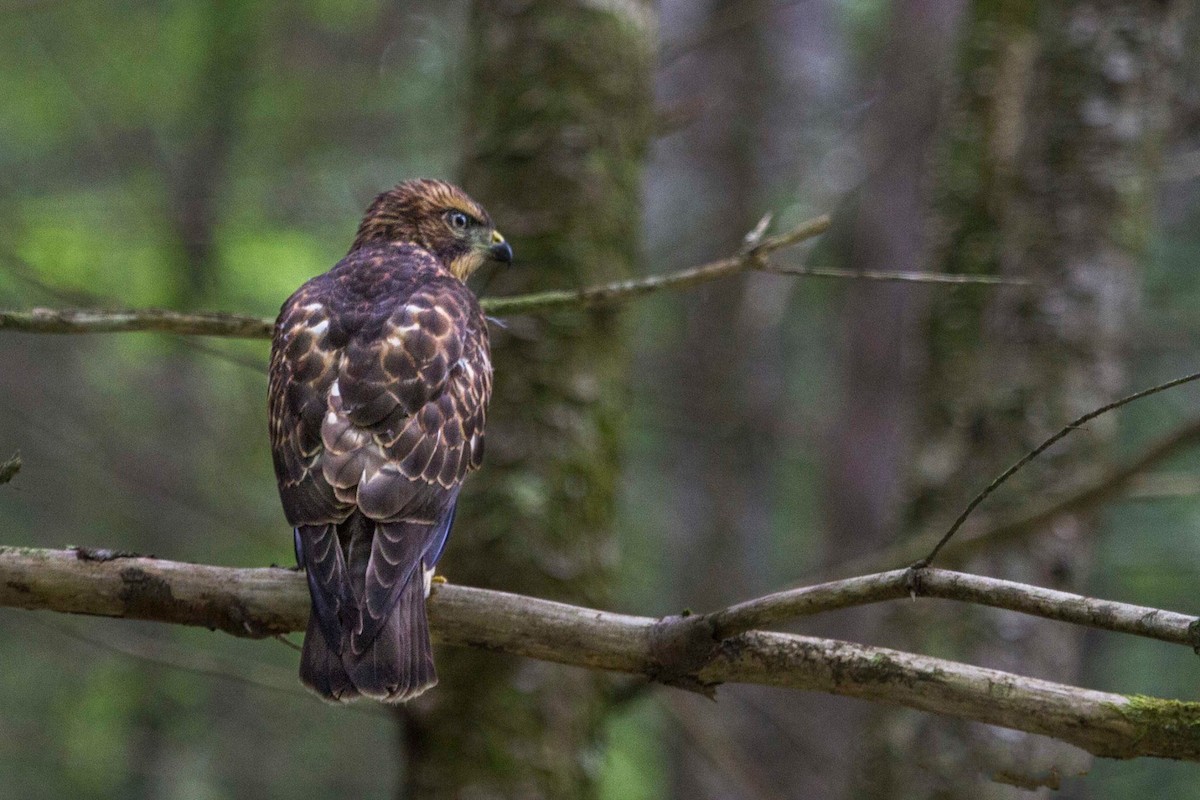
{"x": 439, "y": 217}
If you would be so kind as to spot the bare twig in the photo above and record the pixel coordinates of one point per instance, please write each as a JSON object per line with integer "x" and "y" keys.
{"x": 1089, "y": 494}
{"x": 1035, "y": 452}
{"x": 45, "y": 320}
{"x": 897, "y": 277}
{"x": 265, "y": 602}
{"x": 620, "y": 291}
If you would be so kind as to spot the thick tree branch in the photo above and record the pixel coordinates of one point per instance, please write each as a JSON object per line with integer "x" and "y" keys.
{"x": 265, "y": 602}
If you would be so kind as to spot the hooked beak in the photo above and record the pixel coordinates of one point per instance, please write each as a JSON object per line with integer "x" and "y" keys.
{"x": 499, "y": 249}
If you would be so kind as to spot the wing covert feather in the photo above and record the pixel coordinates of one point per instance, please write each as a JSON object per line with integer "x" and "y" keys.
{"x": 378, "y": 398}
{"x": 302, "y": 369}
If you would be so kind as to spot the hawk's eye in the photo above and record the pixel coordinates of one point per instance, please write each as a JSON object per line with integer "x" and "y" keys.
{"x": 458, "y": 220}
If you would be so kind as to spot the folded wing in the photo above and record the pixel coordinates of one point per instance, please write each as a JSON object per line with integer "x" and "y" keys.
{"x": 374, "y": 425}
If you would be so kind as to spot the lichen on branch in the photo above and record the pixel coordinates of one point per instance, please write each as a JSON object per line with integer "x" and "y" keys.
{"x": 265, "y": 602}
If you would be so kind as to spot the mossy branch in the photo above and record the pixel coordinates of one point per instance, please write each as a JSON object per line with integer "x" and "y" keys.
{"x": 696, "y": 652}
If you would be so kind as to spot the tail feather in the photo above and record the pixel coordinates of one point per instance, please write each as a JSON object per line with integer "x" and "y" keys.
{"x": 321, "y": 669}
{"x": 368, "y": 634}
{"x": 397, "y": 664}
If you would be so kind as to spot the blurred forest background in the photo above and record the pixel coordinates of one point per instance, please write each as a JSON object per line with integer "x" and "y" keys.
{"x": 683, "y": 451}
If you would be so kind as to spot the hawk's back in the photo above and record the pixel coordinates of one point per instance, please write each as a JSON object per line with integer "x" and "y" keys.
{"x": 400, "y": 346}
{"x": 379, "y": 381}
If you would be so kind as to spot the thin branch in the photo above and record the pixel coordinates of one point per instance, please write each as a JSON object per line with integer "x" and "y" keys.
{"x": 44, "y": 320}
{"x": 1035, "y": 452}
{"x": 1088, "y": 495}
{"x": 24, "y": 272}
{"x": 1152, "y": 623}
{"x": 620, "y": 291}
{"x": 265, "y": 602}
{"x": 83, "y": 320}
{"x": 897, "y": 277}
{"x": 240, "y": 326}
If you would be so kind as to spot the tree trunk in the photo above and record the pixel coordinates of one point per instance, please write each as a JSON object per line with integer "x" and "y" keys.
{"x": 881, "y": 359}
{"x": 558, "y": 119}
{"x": 1048, "y": 173}
{"x": 727, "y": 387}
{"x": 196, "y": 177}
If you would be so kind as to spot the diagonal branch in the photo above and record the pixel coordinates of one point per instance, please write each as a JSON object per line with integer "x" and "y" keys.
{"x": 621, "y": 291}
{"x": 265, "y": 602}
{"x": 1087, "y": 495}
{"x": 1062, "y": 432}
{"x": 9, "y": 468}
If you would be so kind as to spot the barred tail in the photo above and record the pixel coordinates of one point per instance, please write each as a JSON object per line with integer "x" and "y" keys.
{"x": 371, "y": 640}
{"x": 397, "y": 665}
{"x": 321, "y": 669}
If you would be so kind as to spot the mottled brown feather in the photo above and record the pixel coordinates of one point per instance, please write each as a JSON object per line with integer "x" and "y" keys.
{"x": 410, "y": 377}
{"x": 379, "y": 382}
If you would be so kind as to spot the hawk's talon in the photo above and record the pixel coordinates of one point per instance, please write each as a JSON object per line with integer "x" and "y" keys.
{"x": 912, "y": 577}
{"x": 438, "y": 579}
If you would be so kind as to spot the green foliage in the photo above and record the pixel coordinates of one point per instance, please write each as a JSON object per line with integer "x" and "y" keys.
{"x": 145, "y": 443}
{"x": 633, "y": 767}
{"x": 157, "y": 445}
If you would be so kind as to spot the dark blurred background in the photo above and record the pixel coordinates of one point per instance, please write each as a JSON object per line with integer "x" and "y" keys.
{"x": 684, "y": 451}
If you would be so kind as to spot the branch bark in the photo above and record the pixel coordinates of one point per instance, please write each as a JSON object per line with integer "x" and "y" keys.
{"x": 85, "y": 320}
{"x": 1152, "y": 623}
{"x": 749, "y": 259}
{"x": 242, "y": 326}
{"x": 266, "y": 602}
